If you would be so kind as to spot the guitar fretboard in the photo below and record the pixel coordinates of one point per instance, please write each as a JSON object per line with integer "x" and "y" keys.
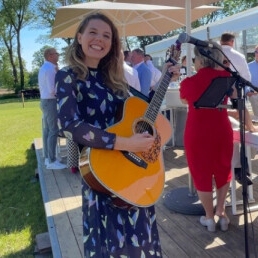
{"x": 156, "y": 102}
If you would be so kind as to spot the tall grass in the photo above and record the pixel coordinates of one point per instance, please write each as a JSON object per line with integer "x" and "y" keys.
{"x": 22, "y": 214}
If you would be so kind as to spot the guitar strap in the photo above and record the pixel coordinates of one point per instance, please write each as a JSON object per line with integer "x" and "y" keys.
{"x": 132, "y": 92}
{"x": 137, "y": 93}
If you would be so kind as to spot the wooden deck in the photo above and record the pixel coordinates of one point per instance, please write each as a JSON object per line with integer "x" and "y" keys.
{"x": 181, "y": 234}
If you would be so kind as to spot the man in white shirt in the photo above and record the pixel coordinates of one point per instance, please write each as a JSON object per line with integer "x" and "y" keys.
{"x": 156, "y": 73}
{"x": 240, "y": 65}
{"x": 46, "y": 80}
{"x": 237, "y": 59}
{"x": 131, "y": 74}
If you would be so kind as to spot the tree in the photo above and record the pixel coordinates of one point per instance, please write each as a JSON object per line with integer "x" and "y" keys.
{"x": 46, "y": 11}
{"x": 6, "y": 76}
{"x": 229, "y": 7}
{"x": 33, "y": 78}
{"x": 8, "y": 40}
{"x": 15, "y": 15}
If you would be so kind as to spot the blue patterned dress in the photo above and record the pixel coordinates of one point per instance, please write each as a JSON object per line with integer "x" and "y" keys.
{"x": 85, "y": 108}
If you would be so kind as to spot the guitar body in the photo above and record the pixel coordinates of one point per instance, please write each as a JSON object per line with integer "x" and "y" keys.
{"x": 137, "y": 185}
{"x": 133, "y": 179}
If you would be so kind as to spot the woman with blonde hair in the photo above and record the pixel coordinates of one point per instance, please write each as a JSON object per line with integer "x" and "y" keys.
{"x": 90, "y": 91}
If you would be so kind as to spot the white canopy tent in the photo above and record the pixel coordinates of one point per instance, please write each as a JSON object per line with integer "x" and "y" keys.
{"x": 235, "y": 23}
{"x": 187, "y": 4}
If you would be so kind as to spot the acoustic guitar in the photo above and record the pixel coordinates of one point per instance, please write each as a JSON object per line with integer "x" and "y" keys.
{"x": 135, "y": 179}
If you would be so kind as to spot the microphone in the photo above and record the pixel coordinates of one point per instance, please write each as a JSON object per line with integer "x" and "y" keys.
{"x": 185, "y": 38}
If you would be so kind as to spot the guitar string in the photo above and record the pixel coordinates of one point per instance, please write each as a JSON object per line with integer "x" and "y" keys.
{"x": 173, "y": 51}
{"x": 152, "y": 112}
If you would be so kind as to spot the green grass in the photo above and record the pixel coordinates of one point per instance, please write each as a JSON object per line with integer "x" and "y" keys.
{"x": 22, "y": 214}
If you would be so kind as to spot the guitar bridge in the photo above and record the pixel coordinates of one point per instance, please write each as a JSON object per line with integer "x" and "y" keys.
{"x": 135, "y": 159}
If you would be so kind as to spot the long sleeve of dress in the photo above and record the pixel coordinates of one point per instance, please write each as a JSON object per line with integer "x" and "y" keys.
{"x": 80, "y": 111}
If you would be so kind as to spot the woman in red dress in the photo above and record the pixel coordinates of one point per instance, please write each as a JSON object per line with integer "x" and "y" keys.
{"x": 208, "y": 140}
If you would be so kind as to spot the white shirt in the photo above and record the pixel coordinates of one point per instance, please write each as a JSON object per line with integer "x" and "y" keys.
{"x": 46, "y": 80}
{"x": 156, "y": 73}
{"x": 131, "y": 76}
{"x": 238, "y": 60}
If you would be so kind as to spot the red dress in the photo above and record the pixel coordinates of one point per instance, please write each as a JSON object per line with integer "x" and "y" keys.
{"x": 208, "y": 137}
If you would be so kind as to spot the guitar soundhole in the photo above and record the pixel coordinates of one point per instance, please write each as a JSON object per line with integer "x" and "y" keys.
{"x": 142, "y": 127}
{"x": 150, "y": 156}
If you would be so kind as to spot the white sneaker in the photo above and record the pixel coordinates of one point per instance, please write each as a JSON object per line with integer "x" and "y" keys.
{"x": 59, "y": 159}
{"x": 56, "y": 165}
{"x": 46, "y": 161}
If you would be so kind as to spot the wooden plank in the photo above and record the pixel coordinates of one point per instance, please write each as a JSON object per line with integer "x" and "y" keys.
{"x": 67, "y": 240}
{"x": 169, "y": 247}
{"x": 43, "y": 242}
{"x": 79, "y": 235}
{"x": 67, "y": 214}
{"x": 180, "y": 235}
{"x": 228, "y": 243}
{"x": 50, "y": 221}
{"x": 63, "y": 212}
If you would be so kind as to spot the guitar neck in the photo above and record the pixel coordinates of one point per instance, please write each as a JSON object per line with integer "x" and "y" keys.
{"x": 156, "y": 102}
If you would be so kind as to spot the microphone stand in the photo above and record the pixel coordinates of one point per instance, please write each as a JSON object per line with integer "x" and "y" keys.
{"x": 239, "y": 84}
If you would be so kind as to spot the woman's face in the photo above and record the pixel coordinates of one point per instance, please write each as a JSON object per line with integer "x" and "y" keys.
{"x": 95, "y": 41}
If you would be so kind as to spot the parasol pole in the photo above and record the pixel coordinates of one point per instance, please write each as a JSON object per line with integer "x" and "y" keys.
{"x": 185, "y": 199}
{"x": 188, "y": 31}
{"x": 188, "y": 7}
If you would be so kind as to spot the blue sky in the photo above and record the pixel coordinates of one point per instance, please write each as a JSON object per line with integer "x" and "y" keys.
{"x": 30, "y": 44}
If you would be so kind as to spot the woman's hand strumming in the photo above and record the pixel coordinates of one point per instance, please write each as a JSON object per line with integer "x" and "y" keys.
{"x": 136, "y": 143}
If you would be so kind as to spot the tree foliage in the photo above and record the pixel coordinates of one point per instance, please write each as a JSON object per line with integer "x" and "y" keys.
{"x": 18, "y": 14}
{"x": 6, "y": 77}
{"x": 46, "y": 11}
{"x": 14, "y": 16}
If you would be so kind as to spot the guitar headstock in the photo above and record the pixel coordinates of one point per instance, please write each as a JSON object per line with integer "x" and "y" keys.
{"x": 173, "y": 53}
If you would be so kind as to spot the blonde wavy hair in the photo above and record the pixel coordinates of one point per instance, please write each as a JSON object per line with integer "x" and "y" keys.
{"x": 111, "y": 65}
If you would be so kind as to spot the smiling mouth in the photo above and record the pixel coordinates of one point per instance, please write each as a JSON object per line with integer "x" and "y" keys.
{"x": 96, "y": 47}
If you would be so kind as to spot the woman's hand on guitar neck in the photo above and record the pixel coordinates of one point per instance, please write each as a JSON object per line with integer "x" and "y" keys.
{"x": 172, "y": 69}
{"x": 136, "y": 143}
